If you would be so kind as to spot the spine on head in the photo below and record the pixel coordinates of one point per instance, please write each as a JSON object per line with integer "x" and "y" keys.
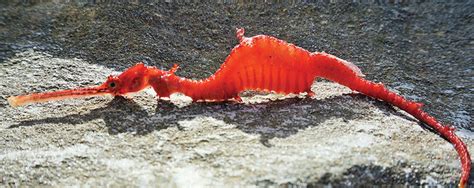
{"x": 347, "y": 74}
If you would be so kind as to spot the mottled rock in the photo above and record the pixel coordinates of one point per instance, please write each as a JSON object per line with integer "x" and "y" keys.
{"x": 337, "y": 138}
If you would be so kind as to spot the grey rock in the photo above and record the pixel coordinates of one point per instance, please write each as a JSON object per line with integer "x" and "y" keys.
{"x": 337, "y": 138}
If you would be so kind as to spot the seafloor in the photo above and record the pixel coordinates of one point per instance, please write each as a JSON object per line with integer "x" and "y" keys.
{"x": 423, "y": 51}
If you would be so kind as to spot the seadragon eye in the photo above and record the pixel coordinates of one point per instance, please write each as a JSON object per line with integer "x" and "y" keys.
{"x": 112, "y": 84}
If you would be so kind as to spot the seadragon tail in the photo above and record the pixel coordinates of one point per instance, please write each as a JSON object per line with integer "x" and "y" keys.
{"x": 347, "y": 74}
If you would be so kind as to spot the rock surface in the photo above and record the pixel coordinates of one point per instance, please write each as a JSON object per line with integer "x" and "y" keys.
{"x": 337, "y": 138}
{"x": 422, "y": 50}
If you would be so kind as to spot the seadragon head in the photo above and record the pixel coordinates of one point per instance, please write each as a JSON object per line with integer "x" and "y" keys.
{"x": 132, "y": 80}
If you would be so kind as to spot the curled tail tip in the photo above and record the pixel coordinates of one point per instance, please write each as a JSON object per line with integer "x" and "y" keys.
{"x": 240, "y": 33}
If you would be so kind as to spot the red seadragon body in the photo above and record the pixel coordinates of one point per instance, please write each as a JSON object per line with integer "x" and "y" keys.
{"x": 258, "y": 63}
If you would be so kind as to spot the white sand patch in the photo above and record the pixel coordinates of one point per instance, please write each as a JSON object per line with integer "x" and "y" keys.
{"x": 180, "y": 100}
{"x": 134, "y": 170}
{"x": 192, "y": 176}
{"x": 53, "y": 154}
